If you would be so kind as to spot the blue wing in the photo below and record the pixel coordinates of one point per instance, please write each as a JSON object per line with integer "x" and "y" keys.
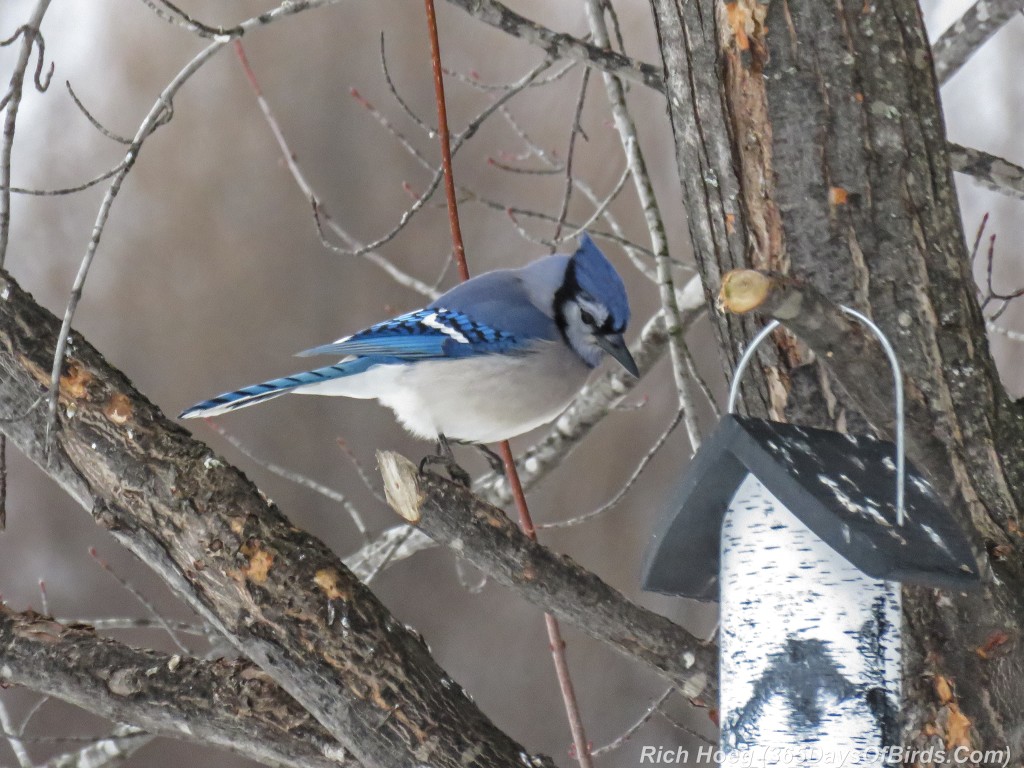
{"x": 425, "y": 333}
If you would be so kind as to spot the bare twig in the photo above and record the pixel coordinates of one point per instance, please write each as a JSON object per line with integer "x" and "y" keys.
{"x": 561, "y": 46}
{"x": 70, "y": 190}
{"x": 295, "y": 477}
{"x": 12, "y": 100}
{"x": 108, "y": 623}
{"x": 989, "y": 171}
{"x": 620, "y": 495}
{"x": 14, "y": 738}
{"x": 170, "y": 13}
{"x": 554, "y": 633}
{"x": 655, "y": 225}
{"x": 444, "y": 140}
{"x": 320, "y": 211}
{"x": 575, "y": 130}
{"x": 364, "y": 476}
{"x": 155, "y": 118}
{"x": 95, "y": 123}
{"x": 622, "y": 738}
{"x": 122, "y": 743}
{"x": 142, "y": 599}
{"x": 971, "y": 31}
{"x": 373, "y": 557}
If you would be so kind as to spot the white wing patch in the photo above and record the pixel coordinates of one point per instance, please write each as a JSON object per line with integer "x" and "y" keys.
{"x": 431, "y": 322}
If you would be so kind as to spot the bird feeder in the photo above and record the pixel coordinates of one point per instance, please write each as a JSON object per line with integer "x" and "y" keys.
{"x": 804, "y": 536}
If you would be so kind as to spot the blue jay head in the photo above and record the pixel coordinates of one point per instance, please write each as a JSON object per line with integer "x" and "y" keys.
{"x": 591, "y": 307}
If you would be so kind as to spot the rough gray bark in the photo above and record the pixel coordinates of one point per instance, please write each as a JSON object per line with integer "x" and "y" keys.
{"x": 820, "y": 127}
{"x": 278, "y": 594}
{"x": 226, "y": 703}
{"x": 968, "y": 33}
{"x": 486, "y": 537}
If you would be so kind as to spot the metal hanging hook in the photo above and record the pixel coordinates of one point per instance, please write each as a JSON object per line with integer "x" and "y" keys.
{"x": 897, "y": 375}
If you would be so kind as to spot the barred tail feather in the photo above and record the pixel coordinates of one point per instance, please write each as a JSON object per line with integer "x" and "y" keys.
{"x": 268, "y": 390}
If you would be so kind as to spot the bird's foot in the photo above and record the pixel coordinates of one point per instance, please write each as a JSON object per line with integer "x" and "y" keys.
{"x": 445, "y": 458}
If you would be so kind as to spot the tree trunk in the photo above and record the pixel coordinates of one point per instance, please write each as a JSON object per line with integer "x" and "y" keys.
{"x": 809, "y": 141}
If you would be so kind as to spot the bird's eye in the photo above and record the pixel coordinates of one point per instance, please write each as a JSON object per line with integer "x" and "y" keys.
{"x": 586, "y": 317}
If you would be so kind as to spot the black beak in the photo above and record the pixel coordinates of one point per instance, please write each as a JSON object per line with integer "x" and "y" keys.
{"x": 615, "y": 346}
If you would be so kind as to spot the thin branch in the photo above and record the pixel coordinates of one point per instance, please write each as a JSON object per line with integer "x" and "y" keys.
{"x": 427, "y": 129}
{"x": 320, "y": 211}
{"x": 484, "y": 535}
{"x": 467, "y": 133}
{"x": 158, "y": 115}
{"x": 13, "y": 737}
{"x": 575, "y": 130}
{"x": 444, "y": 141}
{"x": 122, "y": 743}
{"x": 971, "y": 31}
{"x": 296, "y": 477}
{"x": 622, "y": 738}
{"x": 70, "y": 190}
{"x": 141, "y": 598}
{"x": 141, "y": 622}
{"x": 655, "y": 225}
{"x": 618, "y": 497}
{"x": 29, "y": 37}
{"x": 561, "y": 46}
{"x": 169, "y": 12}
{"x": 374, "y": 556}
{"x": 152, "y": 121}
{"x": 989, "y": 171}
{"x": 364, "y": 476}
{"x": 95, "y": 123}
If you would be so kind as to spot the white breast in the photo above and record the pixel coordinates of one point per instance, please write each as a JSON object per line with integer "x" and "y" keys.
{"x": 482, "y": 400}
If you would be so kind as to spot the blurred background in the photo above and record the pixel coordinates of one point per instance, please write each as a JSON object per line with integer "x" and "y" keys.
{"x": 211, "y": 275}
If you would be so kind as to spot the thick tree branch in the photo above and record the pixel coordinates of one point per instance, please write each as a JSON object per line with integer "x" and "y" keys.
{"x": 230, "y": 704}
{"x": 971, "y": 31}
{"x": 558, "y": 45}
{"x": 281, "y": 596}
{"x": 484, "y": 535}
{"x": 989, "y": 171}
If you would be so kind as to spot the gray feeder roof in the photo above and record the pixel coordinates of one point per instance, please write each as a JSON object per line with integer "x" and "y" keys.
{"x": 842, "y": 487}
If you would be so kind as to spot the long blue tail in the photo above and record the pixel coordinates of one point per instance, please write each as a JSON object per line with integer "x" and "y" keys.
{"x": 268, "y": 390}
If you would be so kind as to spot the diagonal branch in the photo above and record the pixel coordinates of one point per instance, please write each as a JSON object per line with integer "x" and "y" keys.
{"x": 558, "y": 45}
{"x": 230, "y": 704}
{"x": 989, "y": 171}
{"x": 484, "y": 535}
{"x": 278, "y": 594}
{"x": 971, "y": 31}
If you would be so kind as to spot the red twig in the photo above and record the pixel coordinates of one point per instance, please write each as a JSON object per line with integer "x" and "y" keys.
{"x": 579, "y": 736}
{"x": 446, "y": 147}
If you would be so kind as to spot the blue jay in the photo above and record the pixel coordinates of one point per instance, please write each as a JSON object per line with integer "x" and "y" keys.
{"x": 494, "y": 357}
